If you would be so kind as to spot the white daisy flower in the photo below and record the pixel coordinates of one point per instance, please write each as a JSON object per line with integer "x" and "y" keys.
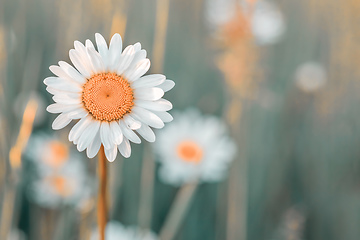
{"x": 109, "y": 94}
{"x": 58, "y": 186}
{"x": 267, "y": 21}
{"x": 194, "y": 148}
{"x": 115, "y": 230}
{"x": 268, "y": 24}
{"x": 310, "y": 76}
{"x": 48, "y": 151}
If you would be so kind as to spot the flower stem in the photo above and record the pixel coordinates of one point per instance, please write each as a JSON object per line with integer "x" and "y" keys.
{"x": 178, "y": 211}
{"x": 102, "y": 201}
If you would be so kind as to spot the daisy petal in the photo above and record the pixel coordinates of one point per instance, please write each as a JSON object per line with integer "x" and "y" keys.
{"x": 78, "y": 113}
{"x": 96, "y": 60}
{"x": 148, "y": 81}
{"x": 58, "y": 71}
{"x": 167, "y": 85}
{"x": 137, "y": 46}
{"x": 58, "y": 108}
{"x": 115, "y": 49}
{"x": 138, "y": 70}
{"x": 78, "y": 128}
{"x": 148, "y": 117}
{"x": 150, "y": 94}
{"x": 116, "y": 132}
{"x": 66, "y": 99}
{"x": 111, "y": 153}
{"x": 126, "y": 57}
{"x": 131, "y": 122}
{"x": 125, "y": 148}
{"x": 129, "y": 134}
{"x": 61, "y": 121}
{"x": 72, "y": 72}
{"x": 146, "y": 132}
{"x": 89, "y": 44}
{"x": 62, "y": 84}
{"x": 159, "y": 105}
{"x": 105, "y": 135}
{"x": 88, "y": 135}
{"x": 102, "y": 47}
{"x": 79, "y": 64}
{"x": 94, "y": 147}
{"x": 164, "y": 116}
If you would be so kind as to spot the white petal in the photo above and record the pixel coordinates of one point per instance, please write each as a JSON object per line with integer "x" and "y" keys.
{"x": 126, "y": 57}
{"x": 72, "y": 72}
{"x": 77, "y": 129}
{"x": 129, "y": 134}
{"x": 79, "y": 64}
{"x": 81, "y": 50}
{"x": 111, "y": 153}
{"x": 125, "y": 148}
{"x": 151, "y": 80}
{"x": 159, "y": 105}
{"x": 138, "y": 70}
{"x": 53, "y": 91}
{"x": 147, "y": 117}
{"x": 146, "y": 132}
{"x": 61, "y": 121}
{"x": 62, "y": 84}
{"x": 105, "y": 135}
{"x": 116, "y": 132}
{"x": 89, "y": 44}
{"x": 58, "y": 71}
{"x": 131, "y": 122}
{"x": 167, "y": 85}
{"x": 139, "y": 56}
{"x": 78, "y": 113}
{"x": 88, "y": 135}
{"x": 164, "y": 116}
{"x": 66, "y": 99}
{"x": 102, "y": 47}
{"x": 115, "y": 49}
{"x": 96, "y": 60}
{"x": 150, "y": 94}
{"x": 58, "y": 108}
{"x": 137, "y": 46}
{"x": 94, "y": 147}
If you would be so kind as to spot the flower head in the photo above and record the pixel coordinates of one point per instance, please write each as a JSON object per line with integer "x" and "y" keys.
{"x": 56, "y": 186}
{"x": 109, "y": 94}
{"x": 193, "y": 148}
{"x": 115, "y": 230}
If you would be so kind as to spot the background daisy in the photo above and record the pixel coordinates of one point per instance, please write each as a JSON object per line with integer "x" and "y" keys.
{"x": 194, "y": 147}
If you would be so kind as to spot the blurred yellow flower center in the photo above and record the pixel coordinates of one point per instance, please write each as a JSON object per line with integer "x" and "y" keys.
{"x": 107, "y": 97}
{"x": 58, "y": 154}
{"x": 189, "y": 151}
{"x": 59, "y": 185}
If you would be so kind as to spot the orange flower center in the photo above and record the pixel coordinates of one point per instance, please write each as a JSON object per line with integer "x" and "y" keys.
{"x": 60, "y": 186}
{"x": 107, "y": 97}
{"x": 190, "y": 151}
{"x": 57, "y": 155}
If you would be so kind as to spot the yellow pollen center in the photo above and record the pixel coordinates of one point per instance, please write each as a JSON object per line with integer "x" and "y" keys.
{"x": 190, "y": 151}
{"x": 59, "y": 185}
{"x": 107, "y": 97}
{"x": 57, "y": 155}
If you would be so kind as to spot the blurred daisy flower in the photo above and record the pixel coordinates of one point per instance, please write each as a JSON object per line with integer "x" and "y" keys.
{"x": 267, "y": 23}
{"x": 115, "y": 230}
{"x": 109, "y": 94}
{"x": 61, "y": 177}
{"x": 310, "y": 76}
{"x": 67, "y": 185}
{"x": 48, "y": 150}
{"x": 195, "y": 147}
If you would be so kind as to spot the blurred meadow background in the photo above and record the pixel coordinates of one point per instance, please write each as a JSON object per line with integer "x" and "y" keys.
{"x": 282, "y": 75}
